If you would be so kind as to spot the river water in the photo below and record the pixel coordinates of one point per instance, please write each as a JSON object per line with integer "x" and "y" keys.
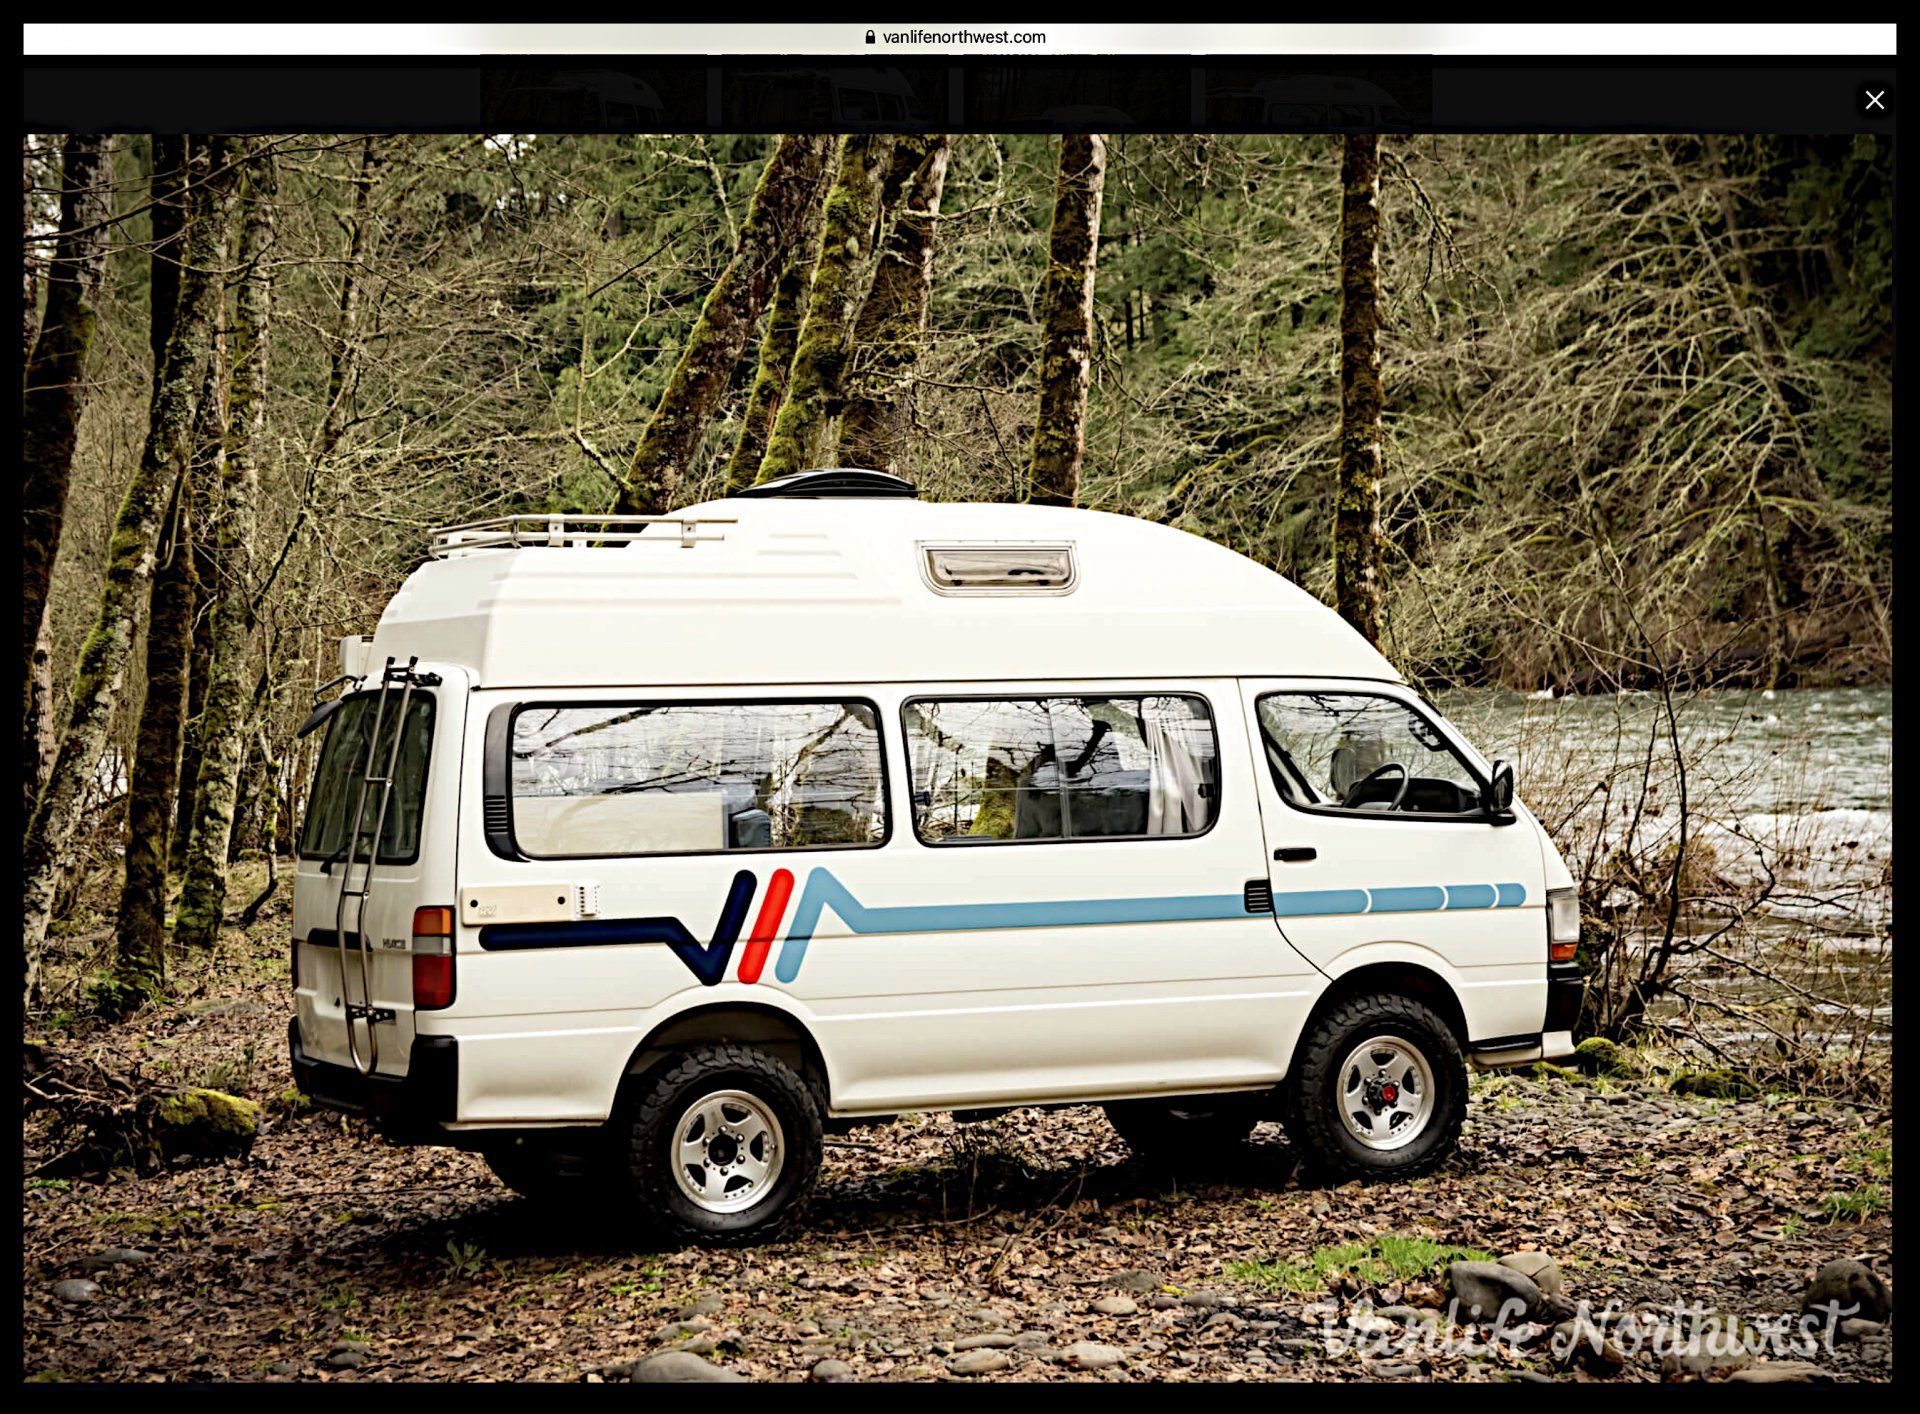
{"x": 1788, "y": 825}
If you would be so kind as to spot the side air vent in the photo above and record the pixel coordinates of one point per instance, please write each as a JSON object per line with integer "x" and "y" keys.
{"x": 1258, "y": 895}
{"x": 834, "y": 481}
{"x": 998, "y": 567}
{"x": 496, "y": 811}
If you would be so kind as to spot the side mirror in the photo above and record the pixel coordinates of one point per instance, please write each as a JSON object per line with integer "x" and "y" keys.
{"x": 1500, "y": 789}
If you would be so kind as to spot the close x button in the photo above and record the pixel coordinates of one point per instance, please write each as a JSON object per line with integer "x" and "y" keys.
{"x": 1873, "y": 100}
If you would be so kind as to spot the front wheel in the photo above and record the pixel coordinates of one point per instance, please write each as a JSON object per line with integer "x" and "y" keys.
{"x": 724, "y": 1144}
{"x": 1378, "y": 1089}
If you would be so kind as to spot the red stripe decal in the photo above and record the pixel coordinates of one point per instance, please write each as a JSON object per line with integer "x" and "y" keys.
{"x": 772, "y": 909}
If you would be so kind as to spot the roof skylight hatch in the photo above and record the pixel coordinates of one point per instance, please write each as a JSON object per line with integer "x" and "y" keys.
{"x": 999, "y": 567}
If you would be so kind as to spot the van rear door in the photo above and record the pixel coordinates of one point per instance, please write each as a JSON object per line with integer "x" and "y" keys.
{"x": 414, "y": 867}
{"x": 1380, "y": 849}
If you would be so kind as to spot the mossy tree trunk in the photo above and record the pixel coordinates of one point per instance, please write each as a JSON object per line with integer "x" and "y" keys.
{"x": 130, "y": 555}
{"x": 140, "y": 936}
{"x": 29, "y": 271}
{"x": 820, "y": 359}
{"x": 776, "y": 222}
{"x": 203, "y": 892}
{"x": 1358, "y": 577}
{"x": 1066, "y": 321}
{"x": 777, "y": 345}
{"x": 52, "y": 401}
{"x": 892, "y": 323}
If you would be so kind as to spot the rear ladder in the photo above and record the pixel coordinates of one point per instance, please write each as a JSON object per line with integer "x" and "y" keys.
{"x": 406, "y": 678}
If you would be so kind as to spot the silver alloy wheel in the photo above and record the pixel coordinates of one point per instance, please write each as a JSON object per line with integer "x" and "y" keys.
{"x": 728, "y": 1151}
{"x": 1385, "y": 1092}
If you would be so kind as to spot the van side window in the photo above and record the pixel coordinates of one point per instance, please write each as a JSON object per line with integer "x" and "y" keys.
{"x": 1363, "y": 752}
{"x": 695, "y": 778}
{"x": 1061, "y": 768}
{"x": 336, "y": 781}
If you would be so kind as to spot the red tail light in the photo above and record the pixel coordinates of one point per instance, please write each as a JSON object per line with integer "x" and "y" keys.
{"x": 432, "y": 959}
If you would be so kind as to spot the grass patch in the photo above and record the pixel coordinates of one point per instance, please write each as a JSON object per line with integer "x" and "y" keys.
{"x": 1857, "y": 1206}
{"x": 1394, "y": 1257}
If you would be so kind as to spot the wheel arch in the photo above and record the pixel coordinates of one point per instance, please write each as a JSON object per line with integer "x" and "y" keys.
{"x": 778, "y": 1030}
{"x": 1402, "y": 976}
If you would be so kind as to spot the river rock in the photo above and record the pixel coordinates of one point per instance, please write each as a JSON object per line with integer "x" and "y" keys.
{"x": 681, "y": 1367}
{"x": 1845, "y": 1282}
{"x": 1854, "y": 1328}
{"x": 1714, "y": 1353}
{"x": 76, "y": 1289}
{"x": 990, "y": 1340}
{"x": 1780, "y": 1372}
{"x": 1484, "y": 1289}
{"x": 831, "y": 1372}
{"x": 1582, "y": 1342}
{"x": 1116, "y": 1306}
{"x": 1538, "y": 1268}
{"x": 114, "y": 1257}
{"x": 1091, "y": 1355}
{"x": 979, "y": 1362}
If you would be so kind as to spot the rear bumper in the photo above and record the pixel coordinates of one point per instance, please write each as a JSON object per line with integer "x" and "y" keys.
{"x": 406, "y": 1107}
{"x": 1566, "y": 986}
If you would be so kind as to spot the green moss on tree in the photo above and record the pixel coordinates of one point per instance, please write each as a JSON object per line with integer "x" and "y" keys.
{"x": 777, "y": 347}
{"x": 55, "y": 395}
{"x": 1358, "y": 580}
{"x": 776, "y": 222}
{"x": 819, "y": 363}
{"x": 203, "y": 893}
{"x": 1066, "y": 321}
{"x": 130, "y": 557}
{"x": 877, "y": 422}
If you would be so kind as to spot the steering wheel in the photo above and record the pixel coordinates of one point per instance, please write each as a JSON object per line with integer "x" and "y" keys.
{"x": 1351, "y": 800}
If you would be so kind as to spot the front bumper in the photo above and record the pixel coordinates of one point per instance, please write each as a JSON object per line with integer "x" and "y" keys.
{"x": 405, "y": 1107}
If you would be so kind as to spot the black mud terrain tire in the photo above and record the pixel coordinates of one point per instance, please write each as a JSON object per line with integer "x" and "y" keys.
{"x": 768, "y": 1139}
{"x": 1326, "y": 1083}
{"x": 1186, "y": 1133}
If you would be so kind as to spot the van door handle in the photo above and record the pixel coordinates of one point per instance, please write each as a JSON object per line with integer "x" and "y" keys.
{"x": 1296, "y": 853}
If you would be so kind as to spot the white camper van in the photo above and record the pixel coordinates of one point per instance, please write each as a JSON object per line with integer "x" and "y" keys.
{"x": 640, "y": 851}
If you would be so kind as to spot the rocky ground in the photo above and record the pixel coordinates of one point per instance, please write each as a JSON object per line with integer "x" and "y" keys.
{"x": 1029, "y": 1247}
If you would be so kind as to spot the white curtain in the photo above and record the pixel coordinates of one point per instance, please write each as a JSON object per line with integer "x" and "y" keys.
{"x": 1174, "y": 778}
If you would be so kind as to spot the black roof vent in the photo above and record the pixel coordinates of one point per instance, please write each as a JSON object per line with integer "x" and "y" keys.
{"x": 834, "y": 481}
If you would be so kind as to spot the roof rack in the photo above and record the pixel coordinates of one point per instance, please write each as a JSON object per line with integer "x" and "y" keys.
{"x": 834, "y": 481}
{"x": 579, "y": 531}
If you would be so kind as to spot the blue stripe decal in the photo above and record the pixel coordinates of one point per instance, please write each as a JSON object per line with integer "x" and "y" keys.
{"x": 1418, "y": 900}
{"x": 1306, "y": 903}
{"x": 824, "y": 891}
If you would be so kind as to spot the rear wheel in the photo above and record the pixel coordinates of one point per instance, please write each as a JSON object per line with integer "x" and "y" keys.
{"x": 724, "y": 1144}
{"x": 1193, "y": 1132}
{"x": 1378, "y": 1089}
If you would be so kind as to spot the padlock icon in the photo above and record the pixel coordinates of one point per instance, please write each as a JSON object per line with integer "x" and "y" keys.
{"x": 869, "y": 36}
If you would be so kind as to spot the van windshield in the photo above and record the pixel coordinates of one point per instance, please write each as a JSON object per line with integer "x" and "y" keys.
{"x": 343, "y": 762}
